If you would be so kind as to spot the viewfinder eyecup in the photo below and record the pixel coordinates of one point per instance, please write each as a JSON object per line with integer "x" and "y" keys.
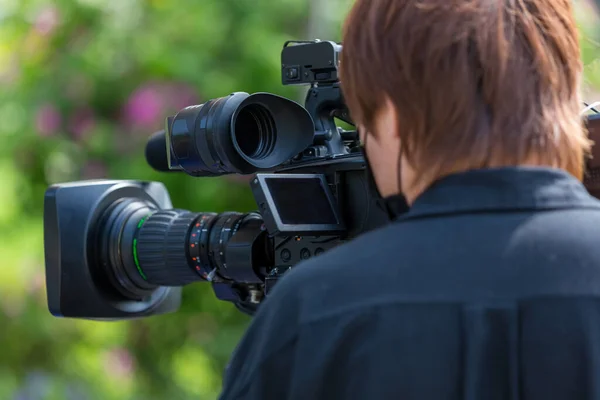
{"x": 268, "y": 130}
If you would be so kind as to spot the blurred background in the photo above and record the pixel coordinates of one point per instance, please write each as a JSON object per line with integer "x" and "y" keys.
{"x": 82, "y": 86}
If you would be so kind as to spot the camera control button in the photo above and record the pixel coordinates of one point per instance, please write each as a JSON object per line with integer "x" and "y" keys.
{"x": 305, "y": 254}
{"x": 286, "y": 255}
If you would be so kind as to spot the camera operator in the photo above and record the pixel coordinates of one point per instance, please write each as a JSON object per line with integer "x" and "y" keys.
{"x": 489, "y": 286}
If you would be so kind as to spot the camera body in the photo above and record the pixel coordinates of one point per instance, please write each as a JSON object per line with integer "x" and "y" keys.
{"x": 117, "y": 249}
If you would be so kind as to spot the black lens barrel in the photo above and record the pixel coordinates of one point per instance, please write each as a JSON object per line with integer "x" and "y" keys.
{"x": 239, "y": 133}
{"x": 160, "y": 247}
{"x": 199, "y": 137}
{"x": 198, "y": 245}
{"x": 144, "y": 248}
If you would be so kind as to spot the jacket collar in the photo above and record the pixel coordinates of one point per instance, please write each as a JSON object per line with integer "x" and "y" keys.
{"x": 502, "y": 189}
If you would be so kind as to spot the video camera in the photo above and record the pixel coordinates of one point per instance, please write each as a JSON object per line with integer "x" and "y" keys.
{"x": 117, "y": 249}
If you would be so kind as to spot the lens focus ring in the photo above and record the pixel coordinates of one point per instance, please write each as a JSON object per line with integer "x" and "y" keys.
{"x": 161, "y": 248}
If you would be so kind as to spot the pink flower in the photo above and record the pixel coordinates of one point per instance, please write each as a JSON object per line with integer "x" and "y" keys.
{"x": 82, "y": 122}
{"x": 144, "y": 107}
{"x": 47, "y": 21}
{"x": 119, "y": 363}
{"x": 47, "y": 120}
{"x": 151, "y": 103}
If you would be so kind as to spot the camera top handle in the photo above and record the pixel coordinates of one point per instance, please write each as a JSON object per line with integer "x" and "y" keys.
{"x": 316, "y": 63}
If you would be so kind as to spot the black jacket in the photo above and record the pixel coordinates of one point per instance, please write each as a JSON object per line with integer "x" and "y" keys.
{"x": 489, "y": 288}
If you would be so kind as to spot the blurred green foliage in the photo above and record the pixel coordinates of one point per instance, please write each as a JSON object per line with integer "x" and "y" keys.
{"x": 82, "y": 85}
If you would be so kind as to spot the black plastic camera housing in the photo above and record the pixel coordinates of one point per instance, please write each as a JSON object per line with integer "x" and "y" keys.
{"x": 117, "y": 249}
{"x": 77, "y": 280}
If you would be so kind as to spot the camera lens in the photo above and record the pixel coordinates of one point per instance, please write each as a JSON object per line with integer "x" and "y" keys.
{"x": 177, "y": 247}
{"x": 143, "y": 248}
{"x": 200, "y": 141}
{"x": 239, "y": 133}
{"x": 115, "y": 250}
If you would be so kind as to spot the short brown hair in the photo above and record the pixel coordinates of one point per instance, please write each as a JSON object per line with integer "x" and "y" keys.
{"x": 475, "y": 84}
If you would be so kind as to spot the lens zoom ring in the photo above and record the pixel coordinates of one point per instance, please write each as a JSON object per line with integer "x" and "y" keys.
{"x": 162, "y": 245}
